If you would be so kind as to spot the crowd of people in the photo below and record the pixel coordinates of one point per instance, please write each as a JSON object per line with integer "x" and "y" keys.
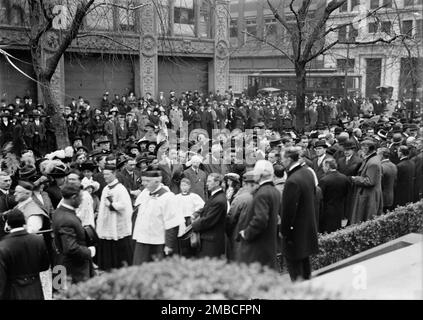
{"x": 244, "y": 184}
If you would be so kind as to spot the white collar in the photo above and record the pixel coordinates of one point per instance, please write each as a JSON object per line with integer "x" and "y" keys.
{"x": 296, "y": 164}
{"x": 113, "y": 183}
{"x": 67, "y": 206}
{"x": 265, "y": 181}
{"x": 215, "y": 191}
{"x": 17, "y": 229}
{"x": 4, "y": 191}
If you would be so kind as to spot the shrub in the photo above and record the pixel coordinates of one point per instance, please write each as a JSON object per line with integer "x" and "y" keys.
{"x": 354, "y": 239}
{"x": 179, "y": 278}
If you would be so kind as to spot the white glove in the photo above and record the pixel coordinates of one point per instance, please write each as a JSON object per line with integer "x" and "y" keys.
{"x": 92, "y": 249}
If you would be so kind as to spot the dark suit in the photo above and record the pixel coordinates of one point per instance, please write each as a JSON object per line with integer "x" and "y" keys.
{"x": 298, "y": 221}
{"x": 7, "y": 202}
{"x": 54, "y": 193}
{"x": 172, "y": 176}
{"x": 70, "y": 241}
{"x": 351, "y": 167}
{"x": 211, "y": 226}
{"x": 128, "y": 181}
{"x": 100, "y": 179}
{"x": 22, "y": 257}
{"x": 318, "y": 169}
{"x": 335, "y": 187}
{"x": 198, "y": 182}
{"x": 261, "y": 220}
{"x": 418, "y": 180}
{"x": 389, "y": 177}
{"x": 404, "y": 190}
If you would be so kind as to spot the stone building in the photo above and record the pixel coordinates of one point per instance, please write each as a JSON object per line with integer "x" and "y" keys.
{"x": 163, "y": 45}
{"x": 368, "y": 66}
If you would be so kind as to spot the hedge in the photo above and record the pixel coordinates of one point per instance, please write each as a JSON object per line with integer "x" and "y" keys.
{"x": 179, "y": 278}
{"x": 354, "y": 239}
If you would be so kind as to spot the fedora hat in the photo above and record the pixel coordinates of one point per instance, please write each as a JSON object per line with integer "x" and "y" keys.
{"x": 122, "y": 159}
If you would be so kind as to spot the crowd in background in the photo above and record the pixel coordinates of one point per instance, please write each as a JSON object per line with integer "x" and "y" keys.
{"x": 145, "y": 197}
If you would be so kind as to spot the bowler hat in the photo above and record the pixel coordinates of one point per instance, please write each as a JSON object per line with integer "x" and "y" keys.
{"x": 320, "y": 143}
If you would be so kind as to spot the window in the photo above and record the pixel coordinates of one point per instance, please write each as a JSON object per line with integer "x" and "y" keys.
{"x": 419, "y": 28}
{"x": 251, "y": 27}
{"x": 126, "y": 17}
{"x": 233, "y": 31}
{"x": 270, "y": 28}
{"x": 3, "y": 12}
{"x": 407, "y": 27}
{"x": 386, "y": 27}
{"x": 163, "y": 20}
{"x": 17, "y": 15}
{"x": 204, "y": 24}
{"x": 374, "y": 4}
{"x": 344, "y": 7}
{"x": 342, "y": 33}
{"x": 387, "y": 3}
{"x": 352, "y": 34}
{"x": 355, "y": 4}
{"x": 184, "y": 17}
{"x": 101, "y": 18}
{"x": 373, "y": 27}
{"x": 341, "y": 64}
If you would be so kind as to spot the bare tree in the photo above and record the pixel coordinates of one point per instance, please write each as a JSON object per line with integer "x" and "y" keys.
{"x": 310, "y": 36}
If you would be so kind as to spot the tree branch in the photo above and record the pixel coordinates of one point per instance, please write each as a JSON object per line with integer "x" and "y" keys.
{"x": 129, "y": 7}
{"x": 279, "y": 17}
{"x": 80, "y": 13}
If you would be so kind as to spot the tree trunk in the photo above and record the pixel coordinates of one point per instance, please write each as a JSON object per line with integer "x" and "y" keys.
{"x": 300, "y": 72}
{"x": 56, "y": 115}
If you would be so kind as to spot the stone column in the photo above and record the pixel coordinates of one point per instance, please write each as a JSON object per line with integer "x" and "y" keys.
{"x": 148, "y": 50}
{"x": 221, "y": 53}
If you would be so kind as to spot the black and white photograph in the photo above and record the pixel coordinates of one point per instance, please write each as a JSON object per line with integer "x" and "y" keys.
{"x": 211, "y": 157}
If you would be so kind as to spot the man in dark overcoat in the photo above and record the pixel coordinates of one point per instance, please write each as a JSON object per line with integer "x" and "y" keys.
{"x": 258, "y": 238}
{"x": 367, "y": 192}
{"x": 335, "y": 187}
{"x": 210, "y": 221}
{"x": 70, "y": 238}
{"x": 389, "y": 177}
{"x": 22, "y": 257}
{"x": 404, "y": 190}
{"x": 298, "y": 217}
{"x": 418, "y": 176}
{"x": 197, "y": 177}
{"x": 7, "y": 200}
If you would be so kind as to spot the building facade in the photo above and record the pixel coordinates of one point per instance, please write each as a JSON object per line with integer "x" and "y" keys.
{"x": 161, "y": 45}
{"x": 346, "y": 68}
{"x": 368, "y": 67}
